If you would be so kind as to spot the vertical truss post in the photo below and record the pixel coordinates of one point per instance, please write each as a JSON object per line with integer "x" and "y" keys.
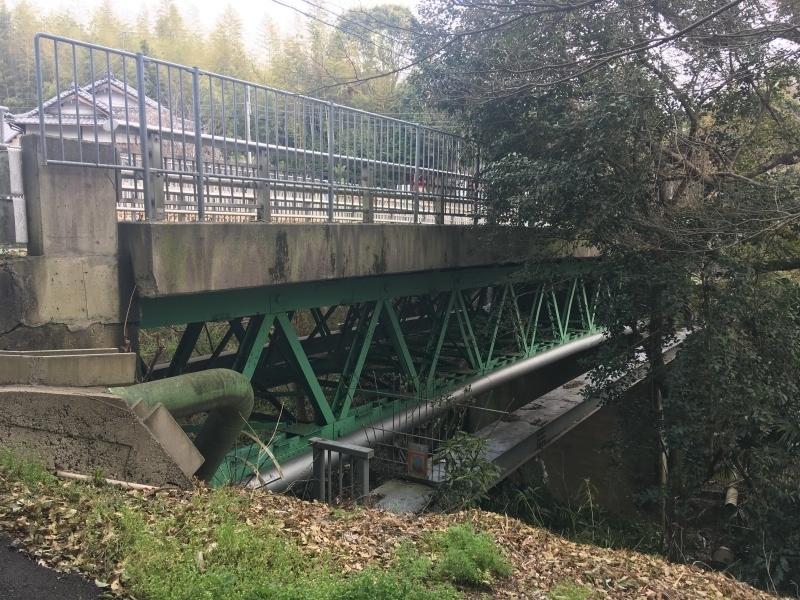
{"x": 347, "y": 326}
{"x": 392, "y": 326}
{"x": 562, "y": 315}
{"x": 496, "y": 325}
{"x": 467, "y": 333}
{"x": 533, "y": 319}
{"x": 590, "y": 310}
{"x": 224, "y": 341}
{"x": 444, "y": 317}
{"x": 321, "y": 322}
{"x": 516, "y": 317}
{"x": 251, "y": 347}
{"x": 302, "y": 366}
{"x": 185, "y": 347}
{"x": 354, "y": 364}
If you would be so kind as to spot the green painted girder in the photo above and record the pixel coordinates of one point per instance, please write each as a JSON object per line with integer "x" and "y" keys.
{"x": 185, "y": 348}
{"x": 230, "y": 304}
{"x": 437, "y": 331}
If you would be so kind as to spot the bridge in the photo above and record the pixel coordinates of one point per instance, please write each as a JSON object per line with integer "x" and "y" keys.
{"x": 342, "y": 257}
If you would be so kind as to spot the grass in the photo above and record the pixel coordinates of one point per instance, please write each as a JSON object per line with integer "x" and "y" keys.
{"x": 571, "y": 591}
{"x": 181, "y": 547}
{"x": 580, "y": 520}
{"x": 468, "y": 557}
{"x": 28, "y": 471}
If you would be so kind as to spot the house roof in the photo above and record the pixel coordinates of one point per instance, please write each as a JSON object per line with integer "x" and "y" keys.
{"x": 122, "y": 87}
{"x": 98, "y": 107}
{"x": 83, "y": 92}
{"x": 7, "y": 133}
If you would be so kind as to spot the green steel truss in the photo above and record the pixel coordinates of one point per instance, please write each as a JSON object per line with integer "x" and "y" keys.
{"x": 327, "y": 358}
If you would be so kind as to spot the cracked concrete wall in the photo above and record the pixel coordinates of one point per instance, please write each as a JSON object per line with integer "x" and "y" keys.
{"x": 66, "y": 292}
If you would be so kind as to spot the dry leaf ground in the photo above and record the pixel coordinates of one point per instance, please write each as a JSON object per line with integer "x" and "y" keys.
{"x": 72, "y": 526}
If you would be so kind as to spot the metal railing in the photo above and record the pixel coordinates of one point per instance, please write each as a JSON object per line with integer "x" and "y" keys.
{"x": 195, "y": 145}
{"x": 341, "y": 471}
{"x": 13, "y": 219}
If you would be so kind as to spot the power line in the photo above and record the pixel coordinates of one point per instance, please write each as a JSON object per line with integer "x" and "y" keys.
{"x": 332, "y": 25}
{"x": 356, "y": 23}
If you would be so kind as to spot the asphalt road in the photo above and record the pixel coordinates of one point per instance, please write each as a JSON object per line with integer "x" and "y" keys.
{"x": 23, "y": 579}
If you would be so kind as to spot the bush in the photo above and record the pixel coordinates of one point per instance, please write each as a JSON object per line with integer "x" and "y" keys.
{"x": 469, "y": 474}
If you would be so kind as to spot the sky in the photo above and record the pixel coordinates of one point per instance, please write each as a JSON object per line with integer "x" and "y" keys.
{"x": 206, "y": 12}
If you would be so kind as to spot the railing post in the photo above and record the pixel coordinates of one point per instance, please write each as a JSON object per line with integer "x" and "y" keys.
{"x": 415, "y": 183}
{"x": 363, "y": 477}
{"x": 319, "y": 471}
{"x": 198, "y": 146}
{"x": 149, "y": 204}
{"x": 439, "y": 210}
{"x": 476, "y": 186}
{"x": 331, "y": 190}
{"x": 37, "y": 56}
{"x": 368, "y": 202}
{"x": 264, "y": 207}
{"x": 157, "y": 179}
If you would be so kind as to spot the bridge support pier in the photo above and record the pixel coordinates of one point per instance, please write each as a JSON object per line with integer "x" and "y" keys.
{"x": 66, "y": 292}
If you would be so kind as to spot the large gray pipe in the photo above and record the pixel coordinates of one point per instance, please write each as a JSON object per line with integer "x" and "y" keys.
{"x": 300, "y": 467}
{"x": 225, "y": 394}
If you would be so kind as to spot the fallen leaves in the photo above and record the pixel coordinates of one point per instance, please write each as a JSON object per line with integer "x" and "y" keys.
{"x": 52, "y": 524}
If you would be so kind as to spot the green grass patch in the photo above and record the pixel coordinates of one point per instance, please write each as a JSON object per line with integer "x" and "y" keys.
{"x": 24, "y": 469}
{"x": 571, "y": 591}
{"x": 467, "y": 557}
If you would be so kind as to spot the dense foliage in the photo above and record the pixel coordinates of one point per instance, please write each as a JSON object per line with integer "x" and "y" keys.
{"x": 666, "y": 134}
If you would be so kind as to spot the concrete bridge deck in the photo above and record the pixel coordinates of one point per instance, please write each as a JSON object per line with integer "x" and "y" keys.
{"x": 186, "y": 258}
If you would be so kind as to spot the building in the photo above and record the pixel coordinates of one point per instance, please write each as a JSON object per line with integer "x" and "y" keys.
{"x": 104, "y": 111}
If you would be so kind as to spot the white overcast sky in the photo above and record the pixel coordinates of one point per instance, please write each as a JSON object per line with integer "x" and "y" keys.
{"x": 206, "y": 12}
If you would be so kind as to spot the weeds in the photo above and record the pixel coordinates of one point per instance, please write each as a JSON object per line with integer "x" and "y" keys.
{"x": 581, "y": 520}
{"x": 26, "y": 470}
{"x": 467, "y": 557}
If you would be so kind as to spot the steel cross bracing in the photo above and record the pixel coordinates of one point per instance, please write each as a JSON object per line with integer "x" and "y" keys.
{"x": 330, "y": 357}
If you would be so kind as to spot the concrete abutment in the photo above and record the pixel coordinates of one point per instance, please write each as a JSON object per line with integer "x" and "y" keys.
{"x": 66, "y": 292}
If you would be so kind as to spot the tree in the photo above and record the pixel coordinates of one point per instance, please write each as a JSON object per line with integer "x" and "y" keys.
{"x": 226, "y": 50}
{"x": 667, "y": 135}
{"x": 369, "y": 42}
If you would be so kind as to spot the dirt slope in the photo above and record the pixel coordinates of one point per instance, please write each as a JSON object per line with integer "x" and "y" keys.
{"x": 51, "y": 528}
